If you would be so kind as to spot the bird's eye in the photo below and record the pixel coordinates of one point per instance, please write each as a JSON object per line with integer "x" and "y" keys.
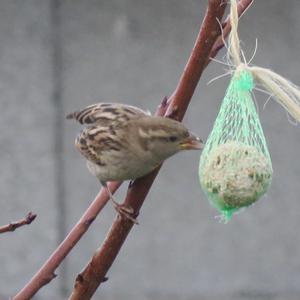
{"x": 173, "y": 138}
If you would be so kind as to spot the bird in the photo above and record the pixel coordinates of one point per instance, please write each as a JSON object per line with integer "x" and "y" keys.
{"x": 122, "y": 142}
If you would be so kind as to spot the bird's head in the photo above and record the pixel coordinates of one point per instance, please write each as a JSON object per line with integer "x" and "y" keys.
{"x": 164, "y": 137}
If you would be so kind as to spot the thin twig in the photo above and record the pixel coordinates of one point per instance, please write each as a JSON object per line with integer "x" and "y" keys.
{"x": 14, "y": 225}
{"x": 243, "y": 5}
{"x": 47, "y": 271}
{"x": 94, "y": 273}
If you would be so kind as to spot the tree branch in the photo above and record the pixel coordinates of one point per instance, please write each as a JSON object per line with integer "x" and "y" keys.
{"x": 208, "y": 34}
{"x": 243, "y": 5}
{"x": 139, "y": 189}
{"x": 47, "y": 271}
{"x": 94, "y": 273}
{"x": 14, "y": 225}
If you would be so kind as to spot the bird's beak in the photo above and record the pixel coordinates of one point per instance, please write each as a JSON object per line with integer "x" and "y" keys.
{"x": 191, "y": 143}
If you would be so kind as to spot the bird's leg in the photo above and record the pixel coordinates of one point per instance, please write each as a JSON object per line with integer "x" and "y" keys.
{"x": 122, "y": 210}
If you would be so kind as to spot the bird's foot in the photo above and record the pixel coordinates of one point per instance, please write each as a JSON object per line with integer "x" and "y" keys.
{"x": 125, "y": 212}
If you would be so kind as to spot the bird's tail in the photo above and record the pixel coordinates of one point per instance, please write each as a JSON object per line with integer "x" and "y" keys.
{"x": 72, "y": 115}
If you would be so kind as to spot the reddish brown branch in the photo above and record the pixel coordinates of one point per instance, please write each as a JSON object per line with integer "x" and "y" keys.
{"x": 47, "y": 271}
{"x": 94, "y": 273}
{"x": 205, "y": 47}
{"x": 243, "y": 5}
{"x": 14, "y": 225}
{"x": 208, "y": 34}
{"x": 139, "y": 190}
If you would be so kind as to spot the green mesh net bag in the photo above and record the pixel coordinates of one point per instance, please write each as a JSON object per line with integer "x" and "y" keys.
{"x": 235, "y": 166}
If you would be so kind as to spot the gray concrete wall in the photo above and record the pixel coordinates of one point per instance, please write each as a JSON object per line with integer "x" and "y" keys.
{"x": 57, "y": 56}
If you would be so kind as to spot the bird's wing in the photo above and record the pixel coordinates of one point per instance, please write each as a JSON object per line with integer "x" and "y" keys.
{"x": 107, "y": 114}
{"x": 93, "y": 141}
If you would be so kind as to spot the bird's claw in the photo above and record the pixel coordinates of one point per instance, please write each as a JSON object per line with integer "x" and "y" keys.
{"x": 125, "y": 212}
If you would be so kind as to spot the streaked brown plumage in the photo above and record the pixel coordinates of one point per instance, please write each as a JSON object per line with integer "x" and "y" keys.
{"x": 122, "y": 142}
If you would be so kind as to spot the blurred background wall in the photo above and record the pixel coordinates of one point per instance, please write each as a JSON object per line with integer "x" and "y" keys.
{"x": 58, "y": 56}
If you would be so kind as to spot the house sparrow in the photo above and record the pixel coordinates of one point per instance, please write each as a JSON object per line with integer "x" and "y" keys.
{"x": 123, "y": 142}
